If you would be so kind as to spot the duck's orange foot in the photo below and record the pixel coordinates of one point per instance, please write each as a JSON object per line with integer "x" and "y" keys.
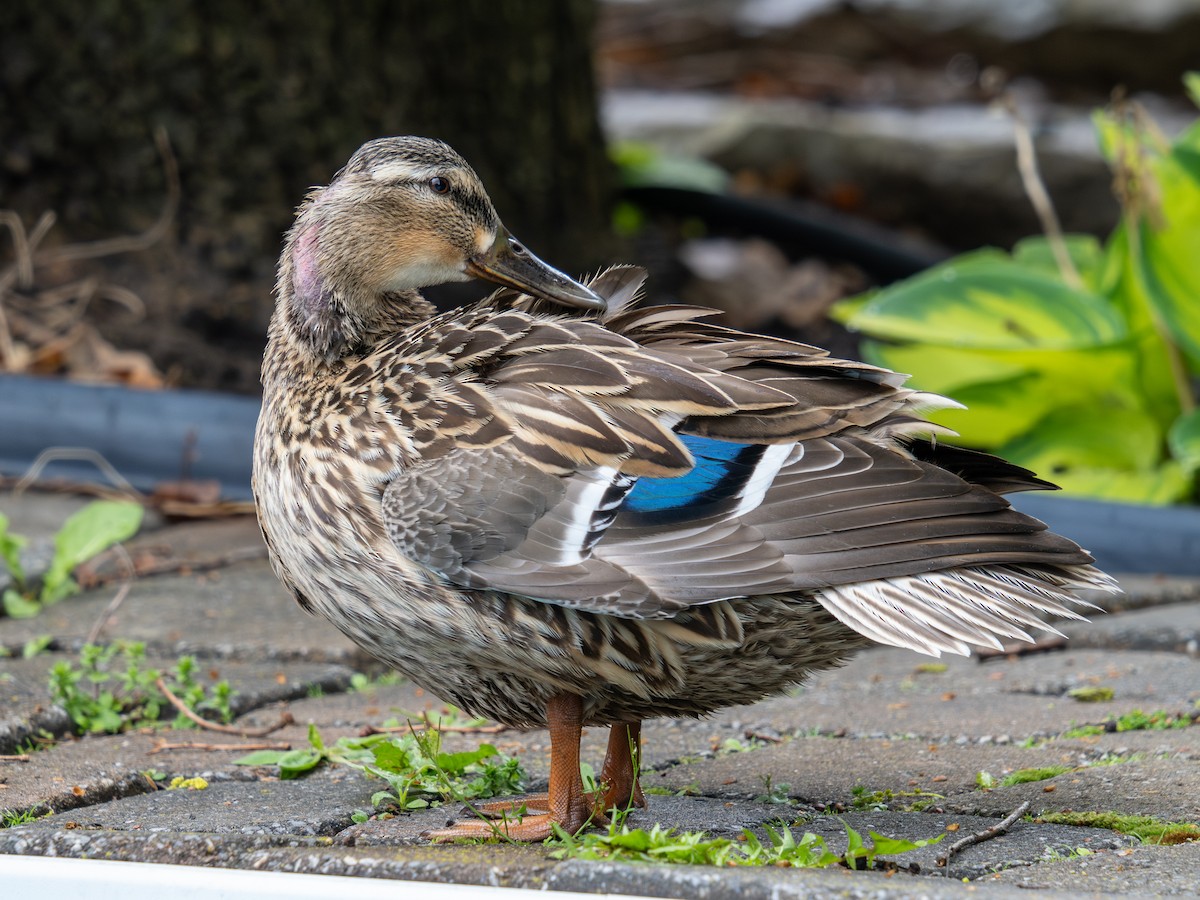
{"x": 525, "y": 828}
{"x": 511, "y": 809}
{"x": 527, "y": 819}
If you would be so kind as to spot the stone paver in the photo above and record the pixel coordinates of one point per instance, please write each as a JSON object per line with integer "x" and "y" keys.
{"x": 888, "y": 721}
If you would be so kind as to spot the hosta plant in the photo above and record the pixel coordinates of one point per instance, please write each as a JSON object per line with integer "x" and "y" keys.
{"x": 1078, "y": 361}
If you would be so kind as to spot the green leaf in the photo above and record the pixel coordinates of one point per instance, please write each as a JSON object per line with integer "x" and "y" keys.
{"x": 16, "y": 606}
{"x": 1184, "y": 440}
{"x": 36, "y": 645}
{"x": 456, "y": 763}
{"x": 1166, "y": 266}
{"x": 261, "y": 758}
{"x": 1007, "y": 392}
{"x": 91, "y": 530}
{"x": 314, "y": 738}
{"x": 1083, "y": 249}
{"x": 1112, "y": 454}
{"x": 1081, "y": 436}
{"x": 886, "y": 846}
{"x": 854, "y": 842}
{"x": 642, "y": 165}
{"x": 380, "y": 796}
{"x": 391, "y": 757}
{"x": 1191, "y": 81}
{"x": 10, "y": 551}
{"x": 1154, "y": 251}
{"x": 295, "y": 763}
{"x": 986, "y": 300}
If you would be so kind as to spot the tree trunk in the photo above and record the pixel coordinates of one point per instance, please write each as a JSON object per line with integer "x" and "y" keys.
{"x": 263, "y": 100}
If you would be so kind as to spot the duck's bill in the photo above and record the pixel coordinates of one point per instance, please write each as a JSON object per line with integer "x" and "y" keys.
{"x": 510, "y": 264}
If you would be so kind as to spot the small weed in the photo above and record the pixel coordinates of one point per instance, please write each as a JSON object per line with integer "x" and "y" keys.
{"x": 1145, "y": 828}
{"x": 931, "y": 668}
{"x": 36, "y": 645}
{"x": 734, "y": 745}
{"x": 113, "y": 690}
{"x": 88, "y": 532}
{"x": 360, "y": 682}
{"x": 877, "y": 801}
{"x": 10, "y": 818}
{"x": 1091, "y": 694}
{"x": 1084, "y": 731}
{"x": 774, "y": 793}
{"x": 179, "y": 783}
{"x": 1115, "y": 759}
{"x": 1025, "y": 776}
{"x": 1053, "y": 854}
{"x": 417, "y": 773}
{"x": 783, "y": 848}
{"x": 314, "y": 692}
{"x": 1158, "y": 720}
{"x": 689, "y": 790}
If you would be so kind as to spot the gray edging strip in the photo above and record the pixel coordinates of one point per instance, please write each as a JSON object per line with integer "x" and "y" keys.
{"x": 146, "y": 435}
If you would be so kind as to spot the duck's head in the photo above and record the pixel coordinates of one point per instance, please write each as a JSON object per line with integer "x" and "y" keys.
{"x": 404, "y": 213}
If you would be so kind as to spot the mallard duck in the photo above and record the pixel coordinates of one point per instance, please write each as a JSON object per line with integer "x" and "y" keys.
{"x": 558, "y": 508}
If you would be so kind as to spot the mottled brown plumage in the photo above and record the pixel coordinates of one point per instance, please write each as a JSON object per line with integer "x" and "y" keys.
{"x": 604, "y": 513}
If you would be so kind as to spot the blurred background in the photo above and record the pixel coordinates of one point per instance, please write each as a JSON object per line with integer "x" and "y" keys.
{"x": 768, "y": 157}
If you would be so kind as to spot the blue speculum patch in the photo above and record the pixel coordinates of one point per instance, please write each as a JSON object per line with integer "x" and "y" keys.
{"x": 720, "y": 474}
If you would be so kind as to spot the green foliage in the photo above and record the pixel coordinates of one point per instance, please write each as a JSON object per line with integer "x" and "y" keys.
{"x": 417, "y": 772}
{"x": 667, "y": 845}
{"x": 88, "y": 532}
{"x": 112, "y": 689}
{"x": 1084, "y": 372}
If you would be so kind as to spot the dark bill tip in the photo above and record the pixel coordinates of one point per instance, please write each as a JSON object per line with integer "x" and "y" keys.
{"x": 510, "y": 264}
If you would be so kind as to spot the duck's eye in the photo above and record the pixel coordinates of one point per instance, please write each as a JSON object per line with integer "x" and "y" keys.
{"x": 438, "y": 184}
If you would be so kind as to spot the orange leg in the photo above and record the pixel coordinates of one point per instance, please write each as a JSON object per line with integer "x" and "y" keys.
{"x": 619, "y": 774}
{"x": 568, "y": 806}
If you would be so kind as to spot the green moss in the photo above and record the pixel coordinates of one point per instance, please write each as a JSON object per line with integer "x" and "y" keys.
{"x": 1091, "y": 694}
{"x": 1024, "y": 776}
{"x": 1145, "y": 828}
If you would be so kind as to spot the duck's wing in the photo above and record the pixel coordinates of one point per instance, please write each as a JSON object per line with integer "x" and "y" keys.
{"x": 664, "y": 462}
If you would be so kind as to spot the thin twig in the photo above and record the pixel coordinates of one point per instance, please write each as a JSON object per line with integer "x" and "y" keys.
{"x": 185, "y": 566}
{"x": 82, "y": 454}
{"x": 980, "y": 836}
{"x": 130, "y": 573}
{"x": 1035, "y": 188}
{"x": 15, "y": 757}
{"x": 428, "y": 723}
{"x": 130, "y": 243}
{"x": 751, "y": 735}
{"x": 24, "y": 261}
{"x": 164, "y": 746}
{"x": 1044, "y": 645}
{"x": 284, "y": 720}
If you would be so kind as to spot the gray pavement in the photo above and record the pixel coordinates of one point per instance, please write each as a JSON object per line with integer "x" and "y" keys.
{"x": 886, "y": 743}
